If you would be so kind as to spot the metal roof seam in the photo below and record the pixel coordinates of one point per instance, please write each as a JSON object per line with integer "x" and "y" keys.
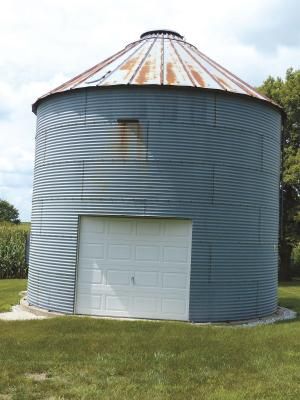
{"x": 183, "y": 65}
{"x": 121, "y": 64}
{"x": 92, "y": 70}
{"x": 113, "y": 58}
{"x": 162, "y": 65}
{"x": 227, "y": 74}
{"x": 234, "y": 77}
{"x": 204, "y": 68}
{"x": 142, "y": 61}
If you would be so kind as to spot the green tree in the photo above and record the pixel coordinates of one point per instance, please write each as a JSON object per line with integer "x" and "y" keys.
{"x": 286, "y": 93}
{"x": 8, "y": 212}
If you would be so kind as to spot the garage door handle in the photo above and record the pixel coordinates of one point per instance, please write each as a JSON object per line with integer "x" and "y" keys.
{"x": 132, "y": 280}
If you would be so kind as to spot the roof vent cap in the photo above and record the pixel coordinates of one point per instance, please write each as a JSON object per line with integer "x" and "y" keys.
{"x": 161, "y": 32}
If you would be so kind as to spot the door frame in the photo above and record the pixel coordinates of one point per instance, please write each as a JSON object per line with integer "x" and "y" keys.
{"x": 79, "y": 219}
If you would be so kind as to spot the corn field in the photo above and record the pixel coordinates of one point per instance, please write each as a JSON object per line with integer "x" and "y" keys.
{"x": 12, "y": 250}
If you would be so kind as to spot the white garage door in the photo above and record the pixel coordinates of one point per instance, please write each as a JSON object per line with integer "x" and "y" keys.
{"x": 134, "y": 267}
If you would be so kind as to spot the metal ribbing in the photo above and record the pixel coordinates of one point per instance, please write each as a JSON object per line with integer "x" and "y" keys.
{"x": 194, "y": 154}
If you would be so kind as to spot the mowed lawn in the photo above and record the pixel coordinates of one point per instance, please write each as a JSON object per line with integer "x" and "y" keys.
{"x": 9, "y": 293}
{"x": 85, "y": 358}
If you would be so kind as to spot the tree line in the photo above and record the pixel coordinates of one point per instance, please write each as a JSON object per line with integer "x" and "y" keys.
{"x": 286, "y": 93}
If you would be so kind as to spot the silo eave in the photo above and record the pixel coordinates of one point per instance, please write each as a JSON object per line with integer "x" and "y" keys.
{"x": 168, "y": 87}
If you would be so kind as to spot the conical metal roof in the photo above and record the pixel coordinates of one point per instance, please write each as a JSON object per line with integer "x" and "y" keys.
{"x": 160, "y": 57}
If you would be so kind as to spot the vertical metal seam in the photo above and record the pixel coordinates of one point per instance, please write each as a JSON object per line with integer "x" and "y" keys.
{"x": 262, "y": 153}
{"x": 85, "y": 106}
{"x": 226, "y": 73}
{"x": 42, "y": 209}
{"x": 210, "y": 61}
{"x": 257, "y": 297}
{"x": 82, "y": 181}
{"x": 210, "y": 262}
{"x": 93, "y": 70}
{"x": 259, "y": 224}
{"x": 104, "y": 78}
{"x": 213, "y": 184}
{"x": 142, "y": 61}
{"x": 162, "y": 64}
{"x": 76, "y": 264}
{"x": 45, "y": 146}
{"x": 203, "y": 67}
{"x": 183, "y": 64}
{"x": 147, "y": 141}
{"x": 215, "y": 109}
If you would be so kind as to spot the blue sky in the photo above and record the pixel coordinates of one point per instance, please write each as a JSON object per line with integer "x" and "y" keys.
{"x": 43, "y": 43}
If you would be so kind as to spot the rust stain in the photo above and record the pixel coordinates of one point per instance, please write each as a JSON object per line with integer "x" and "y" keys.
{"x": 222, "y": 82}
{"x": 142, "y": 146}
{"x": 129, "y": 64}
{"x": 143, "y": 74}
{"x": 123, "y": 138}
{"x": 138, "y": 133}
{"x": 171, "y": 77}
{"x": 198, "y": 78}
{"x": 131, "y": 135}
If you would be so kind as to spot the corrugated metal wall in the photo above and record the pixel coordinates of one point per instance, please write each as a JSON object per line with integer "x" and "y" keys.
{"x": 188, "y": 153}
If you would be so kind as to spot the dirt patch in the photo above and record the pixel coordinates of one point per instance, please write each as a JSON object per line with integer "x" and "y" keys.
{"x": 37, "y": 377}
{"x": 5, "y": 396}
{"x": 17, "y": 313}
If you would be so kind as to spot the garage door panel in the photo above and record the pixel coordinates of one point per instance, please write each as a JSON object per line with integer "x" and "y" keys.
{"x": 88, "y": 302}
{"x": 145, "y": 305}
{"x": 92, "y": 237}
{"x": 119, "y": 252}
{"x": 149, "y": 228}
{"x": 146, "y": 279}
{"x": 147, "y": 253}
{"x": 91, "y": 263}
{"x": 117, "y": 303}
{"x": 118, "y": 277}
{"x": 89, "y": 276}
{"x": 134, "y": 267}
{"x": 120, "y": 227}
{"x": 174, "y": 306}
{"x": 177, "y": 254}
{"x": 92, "y": 251}
{"x": 175, "y": 228}
{"x": 93, "y": 289}
{"x": 92, "y": 224}
{"x": 173, "y": 280}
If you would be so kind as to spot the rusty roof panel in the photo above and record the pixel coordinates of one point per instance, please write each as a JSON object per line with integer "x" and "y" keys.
{"x": 175, "y": 73}
{"x": 160, "y": 57}
{"x": 149, "y": 71}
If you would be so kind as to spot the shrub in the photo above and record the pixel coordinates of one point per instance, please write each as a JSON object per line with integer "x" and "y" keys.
{"x": 12, "y": 250}
{"x": 296, "y": 260}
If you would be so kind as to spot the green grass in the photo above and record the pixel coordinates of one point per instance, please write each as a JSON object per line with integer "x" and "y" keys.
{"x": 289, "y": 295}
{"x": 85, "y": 358}
{"x": 9, "y": 293}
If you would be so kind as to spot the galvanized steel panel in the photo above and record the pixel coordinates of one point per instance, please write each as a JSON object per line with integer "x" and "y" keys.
{"x": 211, "y": 157}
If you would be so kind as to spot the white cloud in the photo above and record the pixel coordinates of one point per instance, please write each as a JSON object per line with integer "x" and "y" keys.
{"x": 17, "y": 129}
{"x": 44, "y": 43}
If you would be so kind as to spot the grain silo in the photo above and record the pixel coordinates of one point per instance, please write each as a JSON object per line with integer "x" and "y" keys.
{"x": 156, "y": 189}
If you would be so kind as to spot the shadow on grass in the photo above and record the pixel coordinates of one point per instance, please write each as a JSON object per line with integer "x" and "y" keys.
{"x": 294, "y": 282}
{"x": 293, "y": 303}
